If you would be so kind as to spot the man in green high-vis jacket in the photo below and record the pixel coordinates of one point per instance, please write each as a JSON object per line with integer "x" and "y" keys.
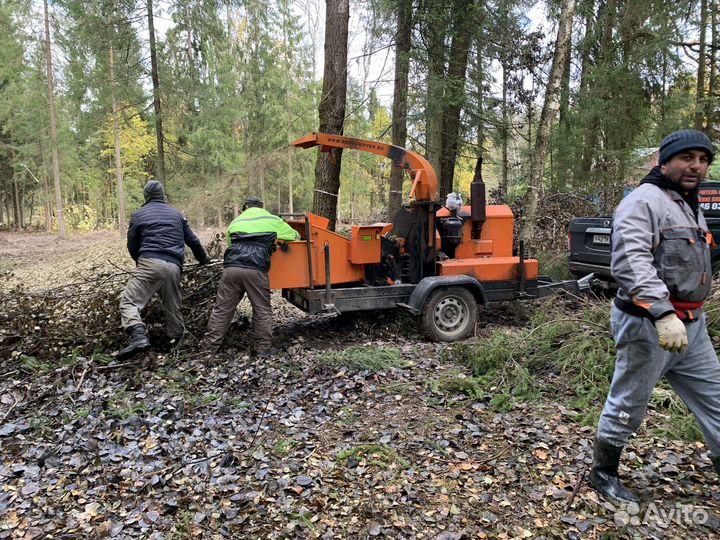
{"x": 251, "y": 243}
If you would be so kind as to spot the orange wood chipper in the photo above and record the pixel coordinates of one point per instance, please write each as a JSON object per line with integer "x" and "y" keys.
{"x": 439, "y": 263}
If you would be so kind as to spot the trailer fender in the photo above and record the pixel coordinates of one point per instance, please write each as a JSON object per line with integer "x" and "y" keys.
{"x": 427, "y": 285}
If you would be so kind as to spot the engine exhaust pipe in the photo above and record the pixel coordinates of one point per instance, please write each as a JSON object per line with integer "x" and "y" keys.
{"x": 478, "y": 202}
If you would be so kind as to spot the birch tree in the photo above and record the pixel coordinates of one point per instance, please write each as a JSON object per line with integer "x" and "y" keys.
{"x": 551, "y": 105}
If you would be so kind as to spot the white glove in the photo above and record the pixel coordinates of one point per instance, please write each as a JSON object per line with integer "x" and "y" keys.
{"x": 672, "y": 334}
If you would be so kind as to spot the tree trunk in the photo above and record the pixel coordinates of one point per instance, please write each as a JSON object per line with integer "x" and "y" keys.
{"x": 504, "y": 130}
{"x": 160, "y": 172}
{"x": 602, "y": 40}
{"x": 290, "y": 181}
{"x": 261, "y": 174}
{"x": 586, "y": 46}
{"x": 290, "y": 151}
{"x": 700, "y": 100}
{"x": 551, "y": 104}
{"x": 399, "y": 106}
{"x": 435, "y": 36}
{"x": 47, "y": 205}
{"x": 122, "y": 218}
{"x": 32, "y": 208}
{"x": 332, "y": 108}
{"x": 479, "y": 81}
{"x": 713, "y": 91}
{"x": 18, "y": 210}
{"x": 53, "y": 128}
{"x": 663, "y": 91}
{"x": 455, "y": 92}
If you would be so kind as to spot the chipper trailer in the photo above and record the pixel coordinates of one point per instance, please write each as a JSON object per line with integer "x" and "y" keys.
{"x": 439, "y": 263}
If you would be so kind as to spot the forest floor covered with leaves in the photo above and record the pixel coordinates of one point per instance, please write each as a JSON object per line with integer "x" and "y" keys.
{"x": 357, "y": 428}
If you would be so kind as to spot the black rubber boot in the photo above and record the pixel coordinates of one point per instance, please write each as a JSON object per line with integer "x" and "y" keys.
{"x": 604, "y": 473}
{"x": 139, "y": 342}
{"x": 716, "y": 462}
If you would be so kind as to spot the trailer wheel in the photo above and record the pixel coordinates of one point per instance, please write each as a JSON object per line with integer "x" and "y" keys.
{"x": 449, "y": 314}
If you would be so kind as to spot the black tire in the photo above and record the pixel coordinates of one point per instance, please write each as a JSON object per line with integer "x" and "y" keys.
{"x": 449, "y": 314}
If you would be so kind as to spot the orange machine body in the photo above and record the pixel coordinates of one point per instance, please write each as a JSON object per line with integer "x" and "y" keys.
{"x": 303, "y": 264}
{"x": 489, "y": 258}
{"x": 290, "y": 268}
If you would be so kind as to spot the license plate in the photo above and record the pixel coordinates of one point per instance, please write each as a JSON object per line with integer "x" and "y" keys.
{"x": 601, "y": 239}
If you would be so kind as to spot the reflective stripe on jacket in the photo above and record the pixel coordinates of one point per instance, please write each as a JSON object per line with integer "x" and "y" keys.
{"x": 660, "y": 251}
{"x": 259, "y": 220}
{"x": 251, "y": 238}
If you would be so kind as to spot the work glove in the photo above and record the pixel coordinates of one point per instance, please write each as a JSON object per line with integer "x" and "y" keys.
{"x": 672, "y": 334}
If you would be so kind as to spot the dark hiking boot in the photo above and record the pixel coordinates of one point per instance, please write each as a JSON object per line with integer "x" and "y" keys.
{"x": 266, "y": 353}
{"x": 604, "y": 473}
{"x": 716, "y": 463}
{"x": 139, "y": 342}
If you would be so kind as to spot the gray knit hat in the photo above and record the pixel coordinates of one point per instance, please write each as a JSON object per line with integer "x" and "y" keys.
{"x": 154, "y": 191}
{"x": 685, "y": 139}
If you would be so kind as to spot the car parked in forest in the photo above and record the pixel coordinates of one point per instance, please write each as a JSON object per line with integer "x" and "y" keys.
{"x": 589, "y": 238}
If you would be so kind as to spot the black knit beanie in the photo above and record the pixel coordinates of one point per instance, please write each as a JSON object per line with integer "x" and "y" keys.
{"x": 253, "y": 202}
{"x": 154, "y": 191}
{"x": 685, "y": 139}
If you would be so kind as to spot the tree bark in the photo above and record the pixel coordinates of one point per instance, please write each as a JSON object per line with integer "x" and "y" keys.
{"x": 455, "y": 92}
{"x": 403, "y": 42}
{"x": 122, "y": 218}
{"x": 551, "y": 104}
{"x": 602, "y": 40}
{"x": 702, "y": 61}
{"x": 53, "y": 128}
{"x": 291, "y": 204}
{"x": 435, "y": 32}
{"x": 479, "y": 80}
{"x": 713, "y": 94}
{"x": 504, "y": 130}
{"x": 18, "y": 210}
{"x": 160, "y": 172}
{"x": 261, "y": 174}
{"x": 332, "y": 108}
{"x": 47, "y": 205}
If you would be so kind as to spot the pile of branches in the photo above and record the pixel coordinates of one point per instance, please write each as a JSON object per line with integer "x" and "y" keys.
{"x": 83, "y": 318}
{"x": 553, "y": 219}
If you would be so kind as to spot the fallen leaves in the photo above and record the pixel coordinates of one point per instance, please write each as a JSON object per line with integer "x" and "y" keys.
{"x": 188, "y": 446}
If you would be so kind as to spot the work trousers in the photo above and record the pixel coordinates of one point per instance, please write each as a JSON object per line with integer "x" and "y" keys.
{"x": 694, "y": 374}
{"x": 234, "y": 284}
{"x": 153, "y": 276}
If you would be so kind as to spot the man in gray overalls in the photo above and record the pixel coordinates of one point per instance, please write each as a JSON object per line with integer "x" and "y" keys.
{"x": 661, "y": 261}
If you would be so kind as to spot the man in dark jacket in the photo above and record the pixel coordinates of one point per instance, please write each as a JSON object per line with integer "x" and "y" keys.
{"x": 251, "y": 242}
{"x": 661, "y": 261}
{"x": 156, "y": 241}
